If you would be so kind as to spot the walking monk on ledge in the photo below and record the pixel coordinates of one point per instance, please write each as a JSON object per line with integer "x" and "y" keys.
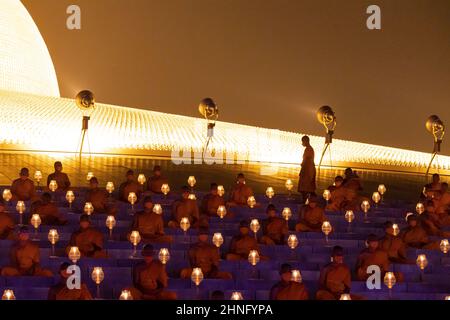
{"x": 307, "y": 178}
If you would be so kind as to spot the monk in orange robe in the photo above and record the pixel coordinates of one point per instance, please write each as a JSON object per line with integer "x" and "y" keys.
{"x": 211, "y": 202}
{"x": 313, "y": 217}
{"x": 149, "y": 224}
{"x": 206, "y": 256}
{"x": 48, "y": 211}
{"x": 130, "y": 185}
{"x": 60, "y": 291}
{"x": 287, "y": 289}
{"x": 373, "y": 255}
{"x": 339, "y": 195}
{"x": 6, "y": 224}
{"x": 431, "y": 221}
{"x": 242, "y": 244}
{"x": 240, "y": 192}
{"x": 60, "y": 177}
{"x": 150, "y": 279}
{"x": 393, "y": 245}
{"x": 22, "y": 188}
{"x": 88, "y": 239}
{"x": 432, "y": 188}
{"x": 414, "y": 236}
{"x": 98, "y": 197}
{"x": 274, "y": 228}
{"x": 25, "y": 258}
{"x": 156, "y": 181}
{"x": 307, "y": 179}
{"x": 185, "y": 208}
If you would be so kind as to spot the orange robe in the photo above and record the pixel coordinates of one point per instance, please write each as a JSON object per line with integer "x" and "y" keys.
{"x": 335, "y": 279}
{"x": 23, "y": 190}
{"x": 61, "y": 179}
{"x": 154, "y": 184}
{"x": 275, "y": 230}
{"x": 312, "y": 220}
{"x": 240, "y": 247}
{"x": 49, "y": 214}
{"x": 307, "y": 179}
{"x": 61, "y": 292}
{"x": 185, "y": 208}
{"x": 99, "y": 199}
{"x": 210, "y": 204}
{"x": 25, "y": 261}
{"x": 240, "y": 194}
{"x": 150, "y": 226}
{"x": 395, "y": 248}
{"x": 289, "y": 291}
{"x": 89, "y": 241}
{"x": 7, "y": 226}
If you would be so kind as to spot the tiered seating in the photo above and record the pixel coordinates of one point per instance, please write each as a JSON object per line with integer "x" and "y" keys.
{"x": 312, "y": 253}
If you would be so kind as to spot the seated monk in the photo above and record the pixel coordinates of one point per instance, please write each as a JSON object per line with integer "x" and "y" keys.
{"x": 150, "y": 279}
{"x": 60, "y": 177}
{"x": 156, "y": 181}
{"x": 443, "y": 206}
{"x": 353, "y": 187}
{"x": 313, "y": 217}
{"x": 211, "y": 202}
{"x": 430, "y": 189}
{"x": 414, "y": 236}
{"x": 339, "y": 195}
{"x": 25, "y": 258}
{"x": 335, "y": 278}
{"x": 373, "y": 255}
{"x": 60, "y": 291}
{"x": 22, "y": 188}
{"x": 48, "y": 211}
{"x": 352, "y": 180}
{"x": 185, "y": 208}
{"x": 149, "y": 224}
{"x": 274, "y": 228}
{"x": 98, "y": 197}
{"x": 88, "y": 239}
{"x": 287, "y": 289}
{"x": 6, "y": 224}
{"x": 130, "y": 185}
{"x": 242, "y": 244}
{"x": 393, "y": 245}
{"x": 205, "y": 256}
{"x": 240, "y": 192}
{"x": 431, "y": 221}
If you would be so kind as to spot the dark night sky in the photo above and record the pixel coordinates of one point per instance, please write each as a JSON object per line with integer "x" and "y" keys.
{"x": 268, "y": 63}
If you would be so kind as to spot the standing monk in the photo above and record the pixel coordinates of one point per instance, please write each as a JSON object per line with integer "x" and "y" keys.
{"x": 240, "y": 192}
{"x": 307, "y": 178}
{"x": 156, "y": 181}
{"x": 286, "y": 289}
{"x": 150, "y": 279}
{"x": 98, "y": 197}
{"x": 60, "y": 177}
{"x": 130, "y": 185}
{"x": 88, "y": 239}
{"x": 6, "y": 224}
{"x": 60, "y": 291}
{"x": 274, "y": 228}
{"x": 25, "y": 258}
{"x": 23, "y": 188}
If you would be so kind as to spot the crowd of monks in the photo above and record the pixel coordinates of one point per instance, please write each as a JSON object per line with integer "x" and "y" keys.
{"x": 150, "y": 279}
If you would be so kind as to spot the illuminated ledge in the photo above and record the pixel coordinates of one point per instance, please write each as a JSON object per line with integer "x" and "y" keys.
{"x": 38, "y": 123}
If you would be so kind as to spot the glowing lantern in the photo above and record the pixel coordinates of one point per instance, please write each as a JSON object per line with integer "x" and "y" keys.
{"x": 35, "y": 222}
{"x": 185, "y": 224}
{"x": 165, "y": 189}
{"x": 89, "y": 176}
{"x": 191, "y": 181}
{"x": 135, "y": 239}
{"x": 20, "y": 207}
{"x": 251, "y": 202}
{"x": 376, "y": 197}
{"x": 74, "y": 254}
{"x": 110, "y": 224}
{"x": 270, "y": 192}
{"x": 349, "y": 217}
{"x": 236, "y": 295}
{"x": 345, "y": 296}
{"x": 220, "y": 190}
{"x": 289, "y": 185}
{"x": 53, "y": 186}
{"x": 254, "y": 226}
{"x": 70, "y": 197}
{"x": 286, "y": 213}
{"x": 7, "y": 195}
{"x": 132, "y": 198}
{"x": 164, "y": 255}
{"x": 53, "y": 237}
{"x": 157, "y": 209}
{"x": 365, "y": 206}
{"x": 447, "y": 298}
{"x": 217, "y": 239}
{"x": 296, "y": 276}
{"x": 110, "y": 187}
{"x": 253, "y": 257}
{"x": 292, "y": 241}
{"x": 197, "y": 276}
{"x": 326, "y": 229}
{"x": 382, "y": 189}
{"x": 192, "y": 196}
{"x": 420, "y": 208}
{"x": 445, "y": 246}
{"x": 389, "y": 280}
{"x": 141, "y": 179}
{"x": 97, "y": 275}
{"x": 8, "y": 295}
{"x": 38, "y": 177}
{"x": 422, "y": 261}
{"x": 395, "y": 229}
{"x": 125, "y": 295}
{"x": 327, "y": 195}
{"x": 88, "y": 208}
{"x": 221, "y": 211}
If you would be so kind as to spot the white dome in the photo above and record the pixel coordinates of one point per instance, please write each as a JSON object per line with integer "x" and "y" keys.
{"x": 25, "y": 63}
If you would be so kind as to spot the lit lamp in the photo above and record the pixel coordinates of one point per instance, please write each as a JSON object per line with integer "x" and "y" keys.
{"x": 286, "y": 214}
{"x": 420, "y": 208}
{"x": 110, "y": 187}
{"x": 217, "y": 239}
{"x": 270, "y": 193}
{"x": 38, "y": 178}
{"x": 157, "y": 209}
{"x": 142, "y": 179}
{"x": 349, "y": 217}
{"x": 345, "y": 296}
{"x": 89, "y": 176}
{"x": 436, "y": 127}
{"x": 192, "y": 196}
{"x": 221, "y": 211}
{"x": 135, "y": 239}
{"x": 422, "y": 263}
{"x": 253, "y": 259}
{"x": 7, "y": 195}
{"x": 220, "y": 190}
{"x": 125, "y": 295}
{"x": 70, "y": 197}
{"x": 251, "y": 202}
{"x": 376, "y": 197}
{"x": 53, "y": 237}
{"x": 97, "y": 276}
{"x": 53, "y": 186}
{"x": 191, "y": 182}
{"x": 254, "y": 226}
{"x": 296, "y": 276}
{"x": 292, "y": 243}
{"x": 390, "y": 281}
{"x": 382, "y": 190}
{"x": 110, "y": 224}
{"x": 8, "y": 295}
{"x": 365, "y": 206}
{"x": 289, "y": 186}
{"x": 326, "y": 229}
{"x": 74, "y": 254}
{"x": 185, "y": 224}
{"x": 445, "y": 246}
{"x": 164, "y": 255}
{"x": 36, "y": 222}
{"x": 88, "y": 208}
{"x": 395, "y": 229}
{"x": 447, "y": 298}
{"x": 165, "y": 189}
{"x": 20, "y": 207}
{"x": 236, "y": 295}
{"x": 197, "y": 276}
{"x": 132, "y": 198}
{"x": 327, "y": 195}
